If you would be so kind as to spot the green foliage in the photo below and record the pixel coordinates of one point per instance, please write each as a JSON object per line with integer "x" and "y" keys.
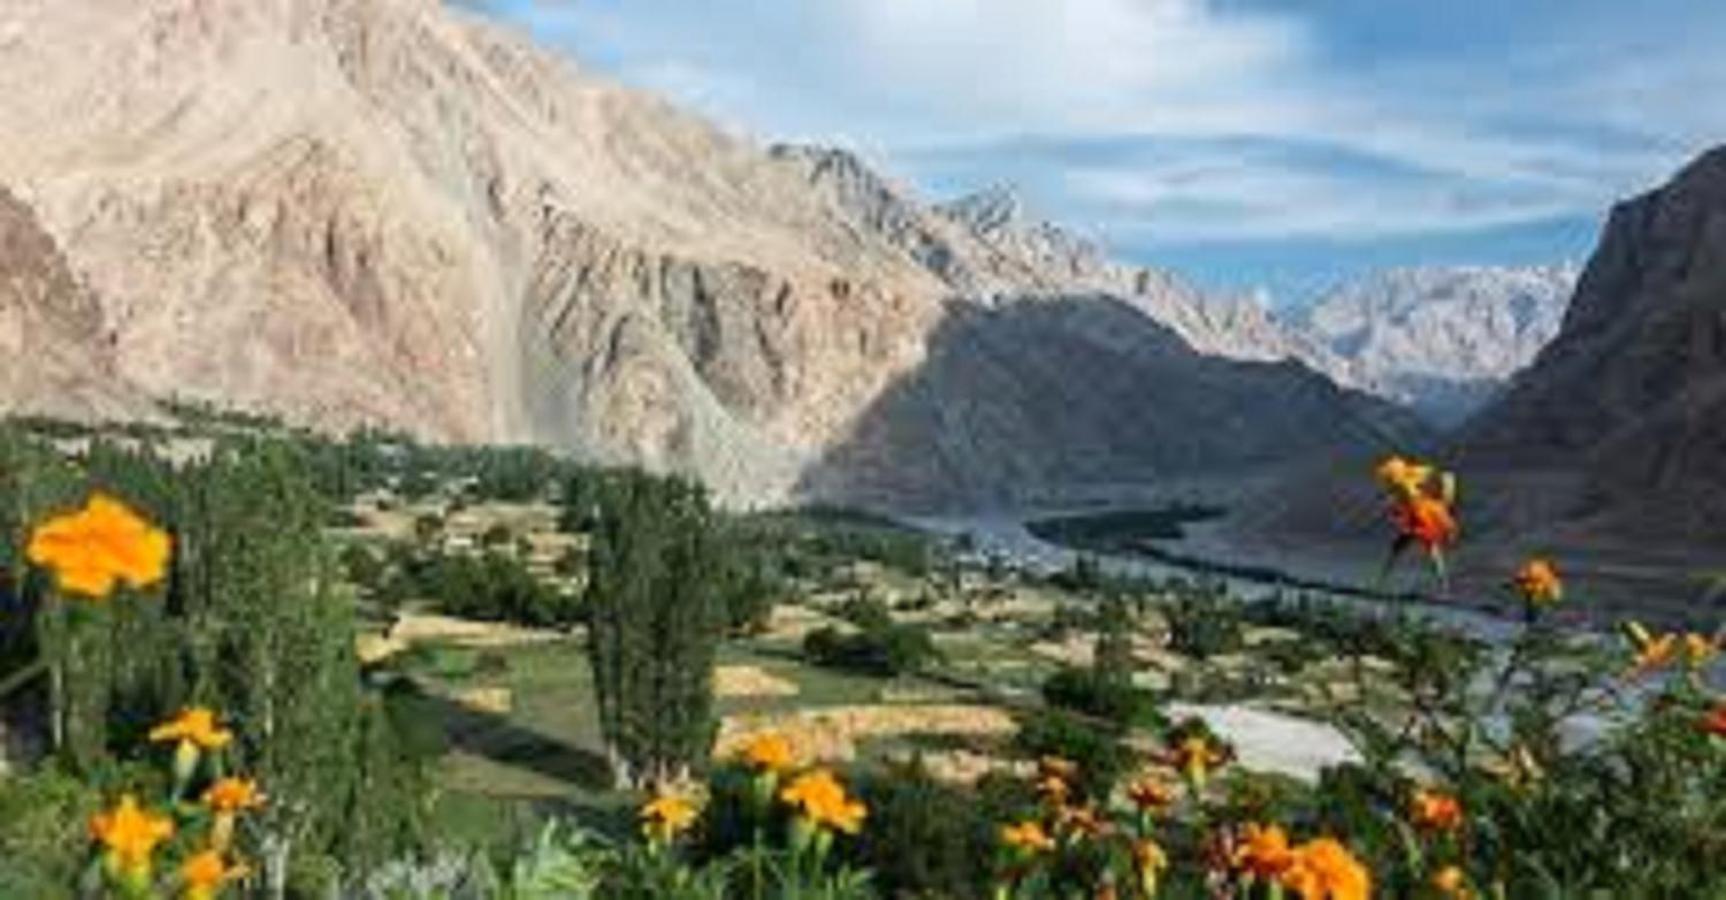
{"x": 656, "y": 618}
{"x": 925, "y": 838}
{"x": 884, "y": 652}
{"x": 42, "y": 832}
{"x": 1095, "y": 747}
{"x": 249, "y": 622}
{"x": 1203, "y": 624}
{"x": 1087, "y": 692}
{"x": 492, "y": 587}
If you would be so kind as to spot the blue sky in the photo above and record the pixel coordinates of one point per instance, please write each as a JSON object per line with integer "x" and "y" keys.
{"x": 1242, "y": 142}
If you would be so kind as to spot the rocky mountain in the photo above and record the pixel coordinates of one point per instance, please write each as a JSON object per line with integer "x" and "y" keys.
{"x": 1608, "y": 452}
{"x": 394, "y": 211}
{"x": 1444, "y": 341}
{"x": 1630, "y": 398}
{"x": 988, "y": 245}
{"x": 53, "y": 348}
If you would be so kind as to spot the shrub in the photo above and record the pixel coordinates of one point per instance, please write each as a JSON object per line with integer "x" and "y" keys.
{"x": 866, "y": 612}
{"x": 1202, "y": 624}
{"x": 925, "y": 838}
{"x": 1097, "y": 749}
{"x": 1086, "y": 692}
{"x": 883, "y": 652}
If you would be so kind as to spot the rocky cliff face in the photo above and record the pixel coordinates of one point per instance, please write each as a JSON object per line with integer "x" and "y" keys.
{"x": 390, "y": 211}
{"x": 53, "y": 348}
{"x": 1631, "y": 396}
{"x": 1443, "y": 341}
{"x": 1608, "y": 452}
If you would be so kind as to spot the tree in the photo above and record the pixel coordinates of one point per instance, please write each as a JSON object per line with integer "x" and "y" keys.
{"x": 656, "y": 618}
{"x": 1113, "y": 657}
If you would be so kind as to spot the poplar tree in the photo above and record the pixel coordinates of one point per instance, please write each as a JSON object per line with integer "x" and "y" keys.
{"x": 657, "y": 615}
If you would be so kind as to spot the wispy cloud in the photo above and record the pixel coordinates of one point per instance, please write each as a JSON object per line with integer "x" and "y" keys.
{"x": 1169, "y": 122}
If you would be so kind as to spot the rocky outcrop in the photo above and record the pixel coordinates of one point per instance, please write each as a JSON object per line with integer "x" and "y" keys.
{"x": 1607, "y": 453}
{"x": 1631, "y": 395}
{"x": 53, "y": 342}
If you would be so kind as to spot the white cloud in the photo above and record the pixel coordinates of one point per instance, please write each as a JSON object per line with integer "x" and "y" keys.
{"x": 1586, "y": 108}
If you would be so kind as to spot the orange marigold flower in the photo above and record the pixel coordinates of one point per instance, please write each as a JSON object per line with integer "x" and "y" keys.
{"x": 1714, "y": 722}
{"x": 666, "y": 816}
{"x": 97, "y": 547}
{"x": 1150, "y": 794}
{"x": 1652, "y": 652}
{"x": 1027, "y": 837}
{"x": 1263, "y": 851}
{"x": 771, "y": 752}
{"x": 233, "y": 795}
{"x": 1451, "y": 882}
{"x": 1426, "y": 520}
{"x": 1403, "y": 477}
{"x": 1081, "y": 821}
{"x": 1054, "y": 791}
{"x": 1056, "y": 767}
{"x": 1699, "y": 650}
{"x": 821, "y": 799}
{"x": 1538, "y": 582}
{"x": 1324, "y": 869}
{"x": 1195, "y": 755}
{"x": 1435, "y": 811}
{"x": 195, "y": 725}
{"x": 204, "y": 873}
{"x": 130, "y": 835}
{"x": 1149, "y": 861}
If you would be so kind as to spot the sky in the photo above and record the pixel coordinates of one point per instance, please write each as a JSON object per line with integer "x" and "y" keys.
{"x": 1244, "y": 143}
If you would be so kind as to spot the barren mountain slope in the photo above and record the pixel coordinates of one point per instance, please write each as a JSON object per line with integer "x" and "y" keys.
{"x": 392, "y": 211}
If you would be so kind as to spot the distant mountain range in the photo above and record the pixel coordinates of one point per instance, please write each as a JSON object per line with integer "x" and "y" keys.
{"x": 394, "y": 211}
{"x": 1607, "y": 452}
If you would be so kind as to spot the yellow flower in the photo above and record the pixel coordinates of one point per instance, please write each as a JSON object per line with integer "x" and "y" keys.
{"x": 130, "y": 835}
{"x": 1451, "y": 883}
{"x": 1263, "y": 852}
{"x": 1699, "y": 650}
{"x": 1027, "y": 837}
{"x": 1054, "y": 791}
{"x": 1538, "y": 582}
{"x": 1323, "y": 869}
{"x": 1150, "y": 794}
{"x": 227, "y": 798}
{"x": 1403, "y": 477}
{"x": 1081, "y": 822}
{"x": 95, "y": 548}
{"x": 1653, "y": 652}
{"x": 233, "y": 795}
{"x": 1056, "y": 767}
{"x": 666, "y": 816}
{"x": 1435, "y": 811}
{"x": 192, "y": 732}
{"x": 1195, "y": 756}
{"x": 194, "y": 725}
{"x": 203, "y": 874}
{"x": 821, "y": 800}
{"x": 1149, "y": 861}
{"x": 771, "y": 752}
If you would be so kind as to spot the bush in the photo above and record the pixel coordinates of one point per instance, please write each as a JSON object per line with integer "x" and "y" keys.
{"x": 42, "y": 838}
{"x": 866, "y": 612}
{"x": 1086, "y": 692}
{"x": 1202, "y": 624}
{"x": 925, "y": 838}
{"x": 1098, "y": 750}
{"x": 882, "y": 652}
